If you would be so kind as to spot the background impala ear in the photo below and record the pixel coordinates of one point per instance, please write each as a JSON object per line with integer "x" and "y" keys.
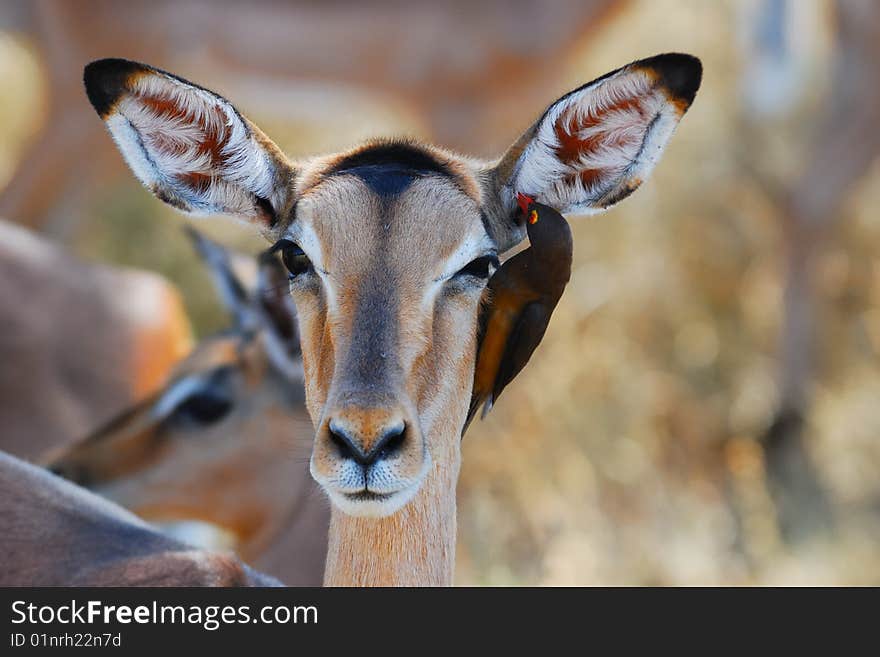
{"x": 594, "y": 146}
{"x": 188, "y": 145}
{"x": 234, "y": 276}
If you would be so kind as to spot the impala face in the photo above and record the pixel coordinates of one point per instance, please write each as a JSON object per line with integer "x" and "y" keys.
{"x": 218, "y": 440}
{"x": 390, "y": 246}
{"x": 388, "y": 313}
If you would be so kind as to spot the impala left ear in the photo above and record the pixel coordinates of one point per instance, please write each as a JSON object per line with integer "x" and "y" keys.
{"x": 190, "y": 146}
{"x": 594, "y": 146}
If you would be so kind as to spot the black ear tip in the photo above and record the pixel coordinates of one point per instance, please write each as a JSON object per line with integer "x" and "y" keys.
{"x": 105, "y": 81}
{"x": 681, "y": 74}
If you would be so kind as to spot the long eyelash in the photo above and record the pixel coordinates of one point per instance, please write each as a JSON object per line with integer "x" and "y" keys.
{"x": 489, "y": 261}
{"x": 270, "y": 253}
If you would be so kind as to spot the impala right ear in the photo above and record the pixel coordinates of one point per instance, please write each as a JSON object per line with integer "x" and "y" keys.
{"x": 594, "y": 146}
{"x": 189, "y": 146}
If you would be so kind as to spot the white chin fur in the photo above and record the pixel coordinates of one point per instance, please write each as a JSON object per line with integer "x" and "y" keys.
{"x": 373, "y": 509}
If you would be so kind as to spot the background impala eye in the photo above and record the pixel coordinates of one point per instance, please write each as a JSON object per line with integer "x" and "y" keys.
{"x": 481, "y": 267}
{"x": 293, "y": 257}
{"x": 203, "y": 408}
{"x": 205, "y": 401}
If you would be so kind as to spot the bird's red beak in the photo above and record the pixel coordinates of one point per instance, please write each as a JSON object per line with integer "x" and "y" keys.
{"x": 524, "y": 202}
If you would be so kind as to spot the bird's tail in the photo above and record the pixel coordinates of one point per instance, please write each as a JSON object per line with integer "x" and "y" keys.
{"x": 490, "y": 402}
{"x": 476, "y": 402}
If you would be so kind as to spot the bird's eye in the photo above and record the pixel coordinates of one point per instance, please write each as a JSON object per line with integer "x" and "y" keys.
{"x": 482, "y": 267}
{"x": 293, "y": 257}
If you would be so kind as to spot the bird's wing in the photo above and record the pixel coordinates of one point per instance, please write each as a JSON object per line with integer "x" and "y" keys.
{"x": 478, "y": 396}
{"x": 524, "y": 338}
{"x": 493, "y": 313}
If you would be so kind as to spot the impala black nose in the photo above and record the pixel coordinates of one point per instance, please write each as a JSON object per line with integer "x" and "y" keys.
{"x": 367, "y": 450}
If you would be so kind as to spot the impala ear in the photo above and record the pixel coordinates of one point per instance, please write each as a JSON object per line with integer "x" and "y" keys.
{"x": 188, "y": 145}
{"x": 594, "y": 146}
{"x": 231, "y": 287}
{"x": 273, "y": 290}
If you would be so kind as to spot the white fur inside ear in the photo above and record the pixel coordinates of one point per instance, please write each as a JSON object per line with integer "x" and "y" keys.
{"x": 597, "y": 142}
{"x": 192, "y": 148}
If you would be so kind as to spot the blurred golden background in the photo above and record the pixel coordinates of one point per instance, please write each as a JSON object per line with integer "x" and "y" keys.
{"x": 703, "y": 409}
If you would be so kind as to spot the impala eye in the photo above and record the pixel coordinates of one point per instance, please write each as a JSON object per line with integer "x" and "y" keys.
{"x": 200, "y": 402}
{"x": 482, "y": 267}
{"x": 203, "y": 408}
{"x": 293, "y": 257}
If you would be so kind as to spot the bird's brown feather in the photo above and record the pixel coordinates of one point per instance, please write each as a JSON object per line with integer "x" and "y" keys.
{"x": 522, "y": 295}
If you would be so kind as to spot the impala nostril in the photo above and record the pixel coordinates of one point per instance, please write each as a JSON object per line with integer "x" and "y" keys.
{"x": 351, "y": 447}
{"x": 346, "y": 447}
{"x": 390, "y": 444}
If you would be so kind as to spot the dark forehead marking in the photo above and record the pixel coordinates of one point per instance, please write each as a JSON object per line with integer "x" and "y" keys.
{"x": 400, "y": 154}
{"x": 384, "y": 179}
{"x": 389, "y": 168}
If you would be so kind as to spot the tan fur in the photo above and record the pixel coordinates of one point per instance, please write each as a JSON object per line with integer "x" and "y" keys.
{"x": 241, "y": 474}
{"x": 53, "y": 533}
{"x": 432, "y": 357}
{"x": 80, "y": 341}
{"x": 413, "y": 547}
{"x": 161, "y": 345}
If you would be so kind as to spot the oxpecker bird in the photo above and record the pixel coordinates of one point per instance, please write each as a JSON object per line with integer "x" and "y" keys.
{"x": 522, "y": 295}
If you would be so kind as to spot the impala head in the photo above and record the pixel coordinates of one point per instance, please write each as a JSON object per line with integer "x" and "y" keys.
{"x": 215, "y": 441}
{"x": 390, "y": 245}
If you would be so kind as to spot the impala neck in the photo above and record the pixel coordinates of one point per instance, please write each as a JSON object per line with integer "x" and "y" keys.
{"x": 413, "y": 547}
